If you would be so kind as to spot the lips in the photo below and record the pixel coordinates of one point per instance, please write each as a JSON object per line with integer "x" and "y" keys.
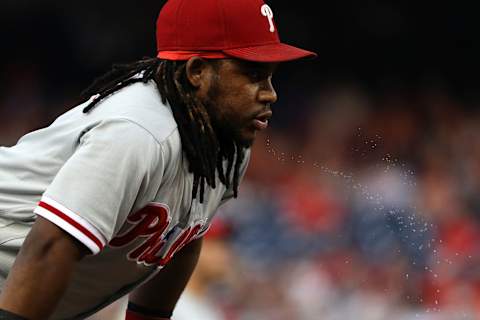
{"x": 260, "y": 122}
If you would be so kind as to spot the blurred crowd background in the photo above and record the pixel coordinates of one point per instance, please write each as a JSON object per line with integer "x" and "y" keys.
{"x": 362, "y": 198}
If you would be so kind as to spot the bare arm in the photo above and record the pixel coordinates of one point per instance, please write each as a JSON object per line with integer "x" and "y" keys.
{"x": 163, "y": 291}
{"x": 41, "y": 271}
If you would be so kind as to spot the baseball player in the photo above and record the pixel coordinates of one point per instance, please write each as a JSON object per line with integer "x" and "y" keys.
{"x": 113, "y": 198}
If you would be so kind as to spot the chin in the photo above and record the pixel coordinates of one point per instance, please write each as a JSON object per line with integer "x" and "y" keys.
{"x": 246, "y": 138}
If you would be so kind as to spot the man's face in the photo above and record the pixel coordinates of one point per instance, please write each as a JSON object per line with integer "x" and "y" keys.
{"x": 239, "y": 97}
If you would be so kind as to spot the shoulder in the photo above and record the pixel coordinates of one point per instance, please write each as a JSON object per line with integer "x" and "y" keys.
{"x": 124, "y": 138}
{"x": 140, "y": 104}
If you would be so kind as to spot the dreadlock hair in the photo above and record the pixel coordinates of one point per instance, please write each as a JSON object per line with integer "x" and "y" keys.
{"x": 204, "y": 149}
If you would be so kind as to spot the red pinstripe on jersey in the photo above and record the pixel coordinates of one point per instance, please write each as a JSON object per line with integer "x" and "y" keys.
{"x": 73, "y": 223}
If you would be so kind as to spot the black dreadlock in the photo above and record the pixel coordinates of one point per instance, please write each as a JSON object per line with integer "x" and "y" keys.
{"x": 204, "y": 150}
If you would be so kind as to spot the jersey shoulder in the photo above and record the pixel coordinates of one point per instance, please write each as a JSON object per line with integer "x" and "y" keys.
{"x": 141, "y": 104}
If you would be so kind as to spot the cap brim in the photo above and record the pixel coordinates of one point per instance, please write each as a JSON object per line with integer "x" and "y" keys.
{"x": 277, "y": 52}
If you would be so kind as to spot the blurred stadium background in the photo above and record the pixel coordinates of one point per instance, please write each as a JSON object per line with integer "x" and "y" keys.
{"x": 362, "y": 198}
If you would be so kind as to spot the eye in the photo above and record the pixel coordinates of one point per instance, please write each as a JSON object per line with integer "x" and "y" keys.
{"x": 255, "y": 75}
{"x": 258, "y": 74}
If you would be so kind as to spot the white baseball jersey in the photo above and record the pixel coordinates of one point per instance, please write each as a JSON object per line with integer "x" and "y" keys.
{"x": 117, "y": 180}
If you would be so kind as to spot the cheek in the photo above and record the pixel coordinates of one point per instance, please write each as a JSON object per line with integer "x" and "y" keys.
{"x": 237, "y": 112}
{"x": 242, "y": 101}
{"x": 230, "y": 108}
{"x": 233, "y": 101}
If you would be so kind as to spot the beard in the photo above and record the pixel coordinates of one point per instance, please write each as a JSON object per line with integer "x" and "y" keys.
{"x": 228, "y": 133}
{"x": 226, "y": 129}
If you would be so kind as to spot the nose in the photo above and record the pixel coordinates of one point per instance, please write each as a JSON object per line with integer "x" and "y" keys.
{"x": 267, "y": 93}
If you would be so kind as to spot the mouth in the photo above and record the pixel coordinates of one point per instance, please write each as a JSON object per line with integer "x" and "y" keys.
{"x": 260, "y": 122}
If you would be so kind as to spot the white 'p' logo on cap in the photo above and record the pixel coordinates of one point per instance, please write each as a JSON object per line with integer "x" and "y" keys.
{"x": 267, "y": 12}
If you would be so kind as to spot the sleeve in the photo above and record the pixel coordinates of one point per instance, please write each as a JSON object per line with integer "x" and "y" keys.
{"x": 114, "y": 165}
{"x": 243, "y": 168}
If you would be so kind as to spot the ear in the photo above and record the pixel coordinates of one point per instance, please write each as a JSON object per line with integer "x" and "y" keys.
{"x": 198, "y": 71}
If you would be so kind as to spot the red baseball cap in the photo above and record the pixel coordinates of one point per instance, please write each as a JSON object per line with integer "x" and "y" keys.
{"x": 242, "y": 29}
